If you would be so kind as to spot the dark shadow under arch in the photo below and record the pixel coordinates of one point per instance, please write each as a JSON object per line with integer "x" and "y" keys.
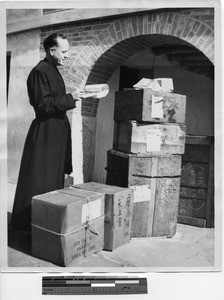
{"x": 110, "y": 60}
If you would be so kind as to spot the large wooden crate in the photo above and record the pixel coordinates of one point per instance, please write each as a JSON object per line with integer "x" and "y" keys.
{"x": 67, "y": 225}
{"x": 150, "y": 106}
{"x": 118, "y": 212}
{"x": 133, "y": 137}
{"x": 197, "y": 186}
{"x": 155, "y": 181}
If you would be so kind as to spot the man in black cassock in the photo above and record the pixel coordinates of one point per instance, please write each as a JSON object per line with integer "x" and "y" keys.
{"x": 47, "y": 152}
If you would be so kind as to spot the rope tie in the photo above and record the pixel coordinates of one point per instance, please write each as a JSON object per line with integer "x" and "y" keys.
{"x": 90, "y": 227}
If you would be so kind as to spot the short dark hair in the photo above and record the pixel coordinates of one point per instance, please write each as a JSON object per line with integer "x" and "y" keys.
{"x": 51, "y": 40}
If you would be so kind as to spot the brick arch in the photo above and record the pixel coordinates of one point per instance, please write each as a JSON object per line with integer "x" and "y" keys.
{"x": 114, "y": 41}
{"x": 120, "y": 52}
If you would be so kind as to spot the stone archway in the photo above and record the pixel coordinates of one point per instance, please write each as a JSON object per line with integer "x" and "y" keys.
{"x": 99, "y": 58}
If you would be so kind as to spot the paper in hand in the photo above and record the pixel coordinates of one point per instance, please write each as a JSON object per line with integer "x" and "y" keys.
{"x": 94, "y": 90}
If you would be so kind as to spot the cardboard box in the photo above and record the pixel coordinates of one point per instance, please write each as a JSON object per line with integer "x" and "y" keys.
{"x": 67, "y": 225}
{"x": 118, "y": 213}
{"x": 150, "y": 106}
{"x": 133, "y": 137}
{"x": 155, "y": 181}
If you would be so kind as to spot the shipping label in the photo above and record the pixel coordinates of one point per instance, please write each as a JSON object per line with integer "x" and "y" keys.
{"x": 141, "y": 193}
{"x": 91, "y": 211}
{"x": 157, "y": 107}
{"x": 153, "y": 139}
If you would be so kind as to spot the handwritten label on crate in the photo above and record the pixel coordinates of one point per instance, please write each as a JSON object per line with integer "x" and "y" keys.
{"x": 157, "y": 107}
{"x": 122, "y": 214}
{"x": 91, "y": 210}
{"x": 141, "y": 193}
{"x": 153, "y": 139}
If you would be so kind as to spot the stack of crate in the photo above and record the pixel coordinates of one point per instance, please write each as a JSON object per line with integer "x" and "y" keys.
{"x": 149, "y": 139}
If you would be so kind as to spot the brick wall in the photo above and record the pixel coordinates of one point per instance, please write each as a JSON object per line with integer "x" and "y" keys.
{"x": 98, "y": 47}
{"x": 79, "y": 35}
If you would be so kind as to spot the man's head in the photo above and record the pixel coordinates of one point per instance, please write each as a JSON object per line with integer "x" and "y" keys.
{"x": 56, "y": 47}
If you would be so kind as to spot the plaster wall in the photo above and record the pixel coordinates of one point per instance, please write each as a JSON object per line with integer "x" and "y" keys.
{"x": 24, "y": 48}
{"x": 13, "y": 15}
{"x": 83, "y": 145}
{"x": 200, "y": 98}
{"x": 105, "y": 129}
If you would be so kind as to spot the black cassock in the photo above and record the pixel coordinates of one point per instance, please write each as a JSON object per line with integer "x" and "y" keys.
{"x": 47, "y": 150}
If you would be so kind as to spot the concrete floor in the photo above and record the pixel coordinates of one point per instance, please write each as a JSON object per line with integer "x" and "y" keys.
{"x": 191, "y": 247}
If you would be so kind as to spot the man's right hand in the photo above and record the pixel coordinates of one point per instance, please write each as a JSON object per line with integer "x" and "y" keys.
{"x": 77, "y": 95}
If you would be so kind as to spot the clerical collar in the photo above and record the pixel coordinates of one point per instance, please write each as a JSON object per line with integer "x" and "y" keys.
{"x": 51, "y": 63}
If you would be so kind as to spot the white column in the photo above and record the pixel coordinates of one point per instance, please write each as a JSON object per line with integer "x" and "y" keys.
{"x": 77, "y": 144}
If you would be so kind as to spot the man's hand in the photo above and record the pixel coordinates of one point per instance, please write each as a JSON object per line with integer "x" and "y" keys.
{"x": 77, "y": 95}
{"x": 68, "y": 181}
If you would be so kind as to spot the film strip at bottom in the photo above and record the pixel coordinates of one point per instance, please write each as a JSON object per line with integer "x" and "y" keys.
{"x": 82, "y": 285}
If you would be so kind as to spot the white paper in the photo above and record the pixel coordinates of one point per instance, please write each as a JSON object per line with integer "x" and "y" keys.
{"x": 174, "y": 136}
{"x": 141, "y": 193}
{"x": 157, "y": 84}
{"x": 144, "y": 83}
{"x": 95, "y": 91}
{"x": 91, "y": 210}
{"x": 166, "y": 84}
{"x": 157, "y": 107}
{"x": 153, "y": 139}
{"x": 96, "y": 87}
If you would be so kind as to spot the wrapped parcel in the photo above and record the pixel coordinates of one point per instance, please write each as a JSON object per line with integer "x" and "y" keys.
{"x": 95, "y": 90}
{"x": 157, "y": 84}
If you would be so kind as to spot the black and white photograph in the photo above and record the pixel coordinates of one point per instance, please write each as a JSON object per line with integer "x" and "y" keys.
{"x": 112, "y": 159}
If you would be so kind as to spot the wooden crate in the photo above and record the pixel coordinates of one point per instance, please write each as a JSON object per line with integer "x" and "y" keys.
{"x": 133, "y": 137}
{"x": 194, "y": 175}
{"x": 67, "y": 225}
{"x": 197, "y": 184}
{"x": 118, "y": 213}
{"x": 126, "y": 169}
{"x": 155, "y": 181}
{"x": 155, "y": 214}
{"x": 149, "y": 106}
{"x": 192, "y": 203}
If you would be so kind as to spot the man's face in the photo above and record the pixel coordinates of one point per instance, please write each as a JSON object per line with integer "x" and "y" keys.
{"x": 60, "y": 53}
